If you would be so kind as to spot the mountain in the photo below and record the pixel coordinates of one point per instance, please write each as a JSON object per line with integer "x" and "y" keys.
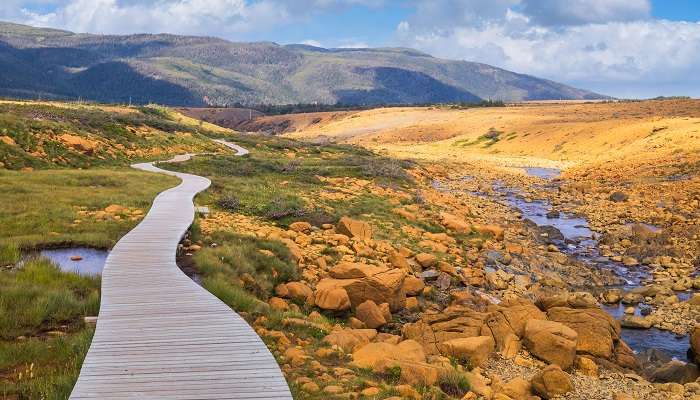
{"x": 192, "y": 71}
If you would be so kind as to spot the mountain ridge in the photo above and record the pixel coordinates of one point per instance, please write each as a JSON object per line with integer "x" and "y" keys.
{"x": 203, "y": 70}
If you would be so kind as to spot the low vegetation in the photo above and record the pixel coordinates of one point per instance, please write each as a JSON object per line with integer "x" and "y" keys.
{"x": 61, "y": 207}
{"x": 43, "y": 338}
{"x": 40, "y": 136}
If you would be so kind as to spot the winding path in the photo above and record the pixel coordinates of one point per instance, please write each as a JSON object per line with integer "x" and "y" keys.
{"x": 159, "y": 335}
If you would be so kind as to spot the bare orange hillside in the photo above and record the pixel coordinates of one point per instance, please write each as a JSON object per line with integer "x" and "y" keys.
{"x": 550, "y": 133}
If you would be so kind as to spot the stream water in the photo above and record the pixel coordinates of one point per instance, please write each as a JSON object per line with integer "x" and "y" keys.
{"x": 579, "y": 241}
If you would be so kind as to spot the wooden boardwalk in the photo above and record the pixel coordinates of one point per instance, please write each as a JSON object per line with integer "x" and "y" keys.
{"x": 159, "y": 335}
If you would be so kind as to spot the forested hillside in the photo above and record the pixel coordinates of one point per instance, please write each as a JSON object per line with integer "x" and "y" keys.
{"x": 189, "y": 71}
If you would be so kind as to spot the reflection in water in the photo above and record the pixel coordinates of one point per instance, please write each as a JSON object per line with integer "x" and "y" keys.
{"x": 92, "y": 262}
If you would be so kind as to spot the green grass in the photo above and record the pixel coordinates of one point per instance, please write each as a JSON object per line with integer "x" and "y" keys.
{"x": 122, "y": 137}
{"x": 40, "y": 207}
{"x": 267, "y": 184}
{"x": 239, "y": 274}
{"x": 9, "y": 253}
{"x": 454, "y": 383}
{"x": 486, "y": 140}
{"x": 37, "y": 299}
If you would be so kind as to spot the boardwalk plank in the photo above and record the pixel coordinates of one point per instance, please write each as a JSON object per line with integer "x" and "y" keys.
{"x": 161, "y": 336}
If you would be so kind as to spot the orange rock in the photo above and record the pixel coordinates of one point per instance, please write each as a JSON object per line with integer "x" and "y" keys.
{"x": 413, "y": 286}
{"x": 278, "y": 304}
{"x": 426, "y": 260}
{"x": 370, "y": 313}
{"x": 354, "y": 228}
{"x": 300, "y": 226}
{"x": 496, "y": 231}
{"x": 335, "y": 299}
{"x": 300, "y": 291}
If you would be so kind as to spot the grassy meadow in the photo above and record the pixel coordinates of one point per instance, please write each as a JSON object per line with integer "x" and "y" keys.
{"x": 43, "y": 339}
{"x": 45, "y": 207}
{"x": 65, "y": 181}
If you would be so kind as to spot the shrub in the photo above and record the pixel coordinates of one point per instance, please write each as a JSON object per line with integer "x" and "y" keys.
{"x": 283, "y": 207}
{"x": 229, "y": 203}
{"x": 454, "y": 383}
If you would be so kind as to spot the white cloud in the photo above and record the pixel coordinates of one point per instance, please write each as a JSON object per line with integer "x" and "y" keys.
{"x": 613, "y": 44}
{"x": 224, "y": 18}
{"x": 311, "y": 42}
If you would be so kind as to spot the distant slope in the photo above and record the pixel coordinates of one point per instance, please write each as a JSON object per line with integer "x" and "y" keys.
{"x": 191, "y": 71}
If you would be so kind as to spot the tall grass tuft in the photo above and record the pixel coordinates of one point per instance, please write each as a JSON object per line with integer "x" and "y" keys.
{"x": 40, "y": 297}
{"x": 9, "y": 254}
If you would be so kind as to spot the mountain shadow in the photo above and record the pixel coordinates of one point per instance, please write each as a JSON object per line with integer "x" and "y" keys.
{"x": 401, "y": 86}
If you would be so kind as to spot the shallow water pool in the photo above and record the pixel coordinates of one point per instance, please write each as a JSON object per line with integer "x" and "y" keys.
{"x": 92, "y": 263}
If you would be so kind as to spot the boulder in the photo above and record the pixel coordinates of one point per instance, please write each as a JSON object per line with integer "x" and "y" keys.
{"x": 407, "y": 355}
{"x": 475, "y": 349}
{"x": 636, "y": 322}
{"x": 510, "y": 320}
{"x": 516, "y": 388}
{"x": 612, "y": 296}
{"x": 496, "y": 231}
{"x": 596, "y": 330}
{"x": 454, "y": 223}
{"x": 300, "y": 226}
{"x": 349, "y": 339}
{"x": 675, "y": 371}
{"x": 349, "y": 270}
{"x": 333, "y": 299}
{"x": 625, "y": 357}
{"x": 370, "y": 313}
{"x": 426, "y": 260}
{"x": 397, "y": 260}
{"x": 278, "y": 304}
{"x": 453, "y": 323}
{"x": 300, "y": 291}
{"x": 551, "y": 382}
{"x": 572, "y": 300}
{"x": 586, "y": 366}
{"x": 511, "y": 346}
{"x": 354, "y": 228}
{"x": 382, "y": 287}
{"x": 294, "y": 249}
{"x": 551, "y": 341}
{"x": 695, "y": 343}
{"x": 618, "y": 197}
{"x": 413, "y": 286}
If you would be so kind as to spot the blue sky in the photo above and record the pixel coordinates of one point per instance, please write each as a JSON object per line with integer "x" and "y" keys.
{"x": 625, "y": 48}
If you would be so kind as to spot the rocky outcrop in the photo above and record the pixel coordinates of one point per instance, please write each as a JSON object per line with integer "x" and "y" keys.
{"x": 453, "y": 323}
{"x": 370, "y": 314}
{"x": 510, "y": 319}
{"x": 354, "y": 228}
{"x": 551, "y": 341}
{"x": 349, "y": 339}
{"x": 381, "y": 286}
{"x": 695, "y": 343}
{"x": 332, "y": 299}
{"x": 597, "y": 331}
{"x": 475, "y": 350}
{"x": 408, "y": 356}
{"x": 551, "y": 382}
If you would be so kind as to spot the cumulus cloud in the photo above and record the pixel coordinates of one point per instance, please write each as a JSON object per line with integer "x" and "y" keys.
{"x": 611, "y": 46}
